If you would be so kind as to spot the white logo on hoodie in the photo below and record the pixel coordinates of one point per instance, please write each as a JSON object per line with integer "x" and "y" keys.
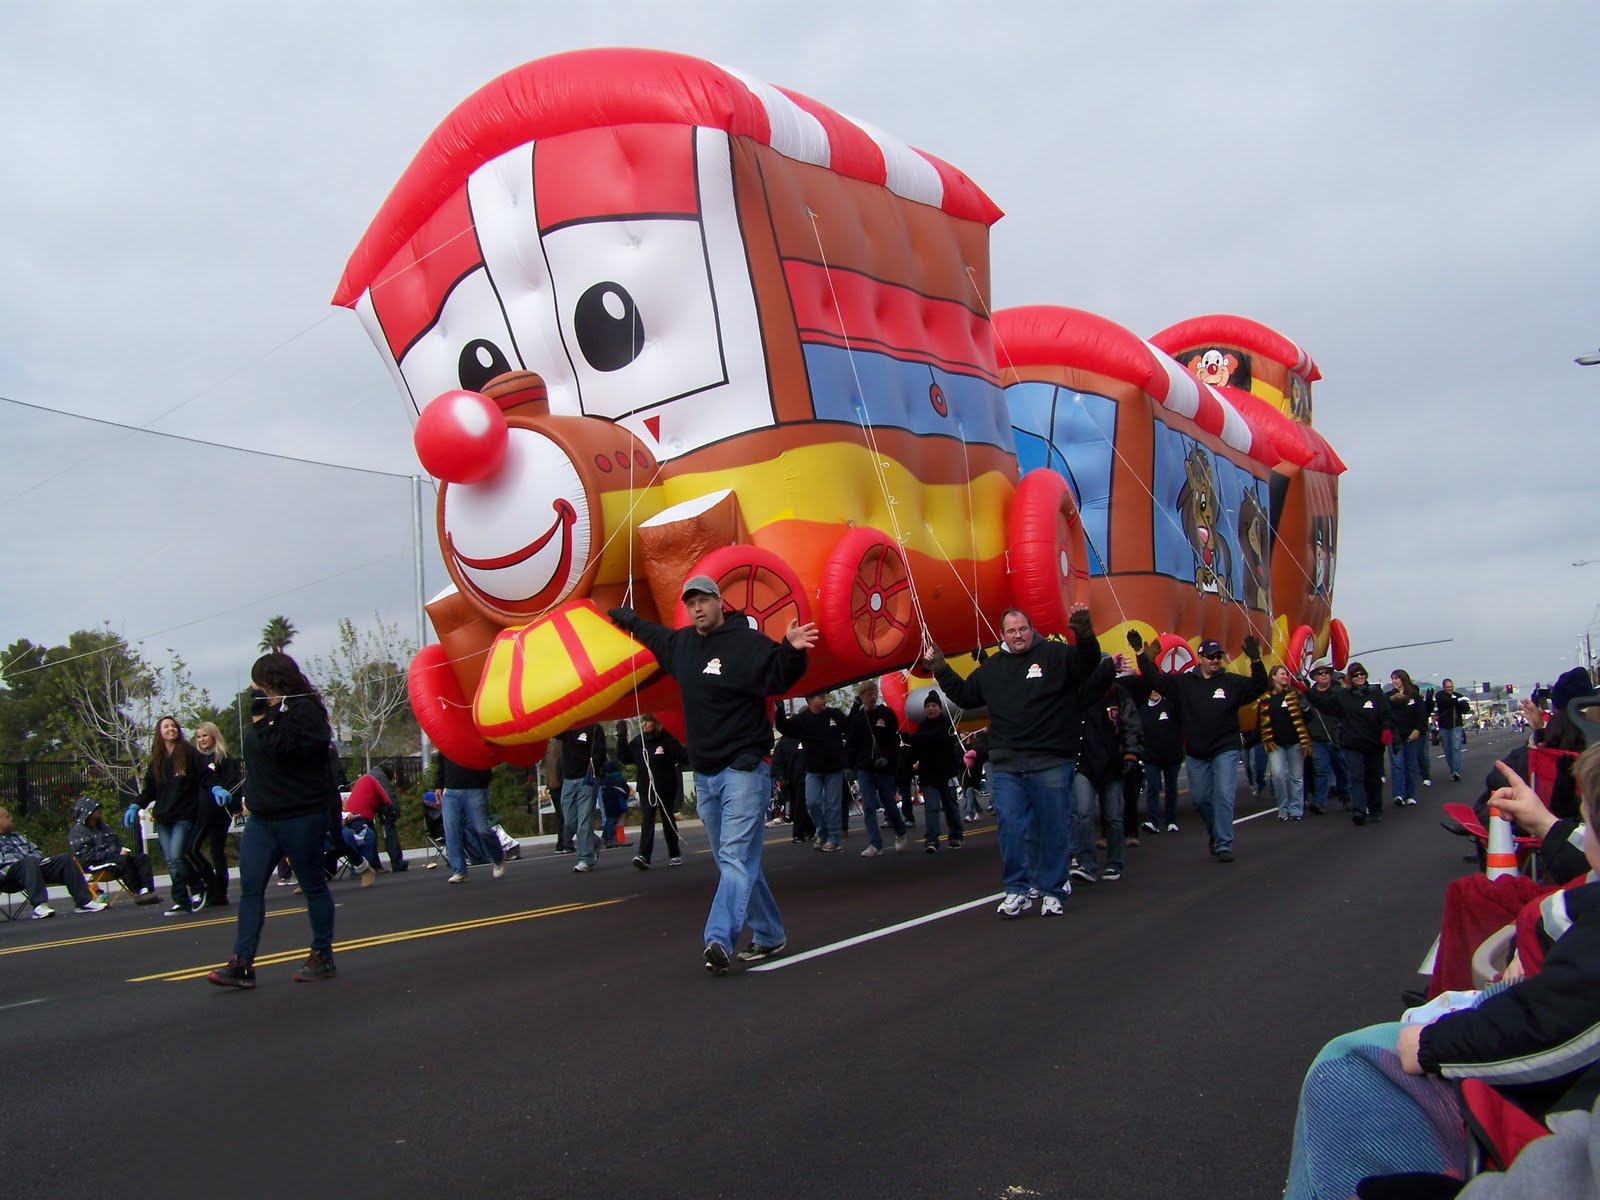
{"x": 714, "y": 667}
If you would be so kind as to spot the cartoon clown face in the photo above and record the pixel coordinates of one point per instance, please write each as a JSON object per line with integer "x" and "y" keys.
{"x": 598, "y": 277}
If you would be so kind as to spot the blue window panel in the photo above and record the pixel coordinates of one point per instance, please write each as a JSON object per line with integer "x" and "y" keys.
{"x": 898, "y": 396}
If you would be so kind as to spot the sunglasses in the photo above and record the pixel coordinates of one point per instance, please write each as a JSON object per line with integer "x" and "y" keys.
{"x": 1217, "y": 655}
{"x": 1358, "y": 674}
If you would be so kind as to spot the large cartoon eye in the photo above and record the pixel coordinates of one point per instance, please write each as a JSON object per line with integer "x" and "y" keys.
{"x": 480, "y": 361}
{"x": 609, "y": 331}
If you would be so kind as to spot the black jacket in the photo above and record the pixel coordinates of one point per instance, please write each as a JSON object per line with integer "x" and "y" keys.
{"x": 1033, "y": 698}
{"x": 1163, "y": 730}
{"x": 1540, "y": 1034}
{"x": 1410, "y": 715}
{"x": 1209, "y": 707}
{"x": 1453, "y": 709}
{"x": 821, "y": 737}
{"x": 1113, "y": 737}
{"x": 660, "y": 759}
{"x": 1322, "y": 723}
{"x": 176, "y": 797}
{"x": 226, "y": 773}
{"x": 936, "y": 751}
{"x": 872, "y": 739}
{"x": 725, "y": 677}
{"x": 286, "y": 758}
{"x": 583, "y": 752}
{"x": 1363, "y": 714}
{"x": 96, "y": 846}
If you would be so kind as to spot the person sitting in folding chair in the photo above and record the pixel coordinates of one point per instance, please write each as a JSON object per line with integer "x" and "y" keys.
{"x": 660, "y": 760}
{"x": 101, "y": 854}
{"x": 24, "y": 868}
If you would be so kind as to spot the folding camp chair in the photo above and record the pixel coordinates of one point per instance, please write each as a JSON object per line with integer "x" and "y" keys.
{"x": 13, "y": 904}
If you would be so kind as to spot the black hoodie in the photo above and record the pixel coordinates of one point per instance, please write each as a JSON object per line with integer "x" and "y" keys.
{"x": 1035, "y": 710}
{"x": 725, "y": 677}
{"x": 1210, "y": 707}
{"x": 286, "y": 758}
{"x": 93, "y": 846}
{"x": 821, "y": 737}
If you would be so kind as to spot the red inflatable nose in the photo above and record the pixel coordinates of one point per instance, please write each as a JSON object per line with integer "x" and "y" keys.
{"x": 461, "y": 437}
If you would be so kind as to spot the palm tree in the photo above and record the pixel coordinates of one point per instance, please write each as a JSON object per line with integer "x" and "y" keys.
{"x": 276, "y": 634}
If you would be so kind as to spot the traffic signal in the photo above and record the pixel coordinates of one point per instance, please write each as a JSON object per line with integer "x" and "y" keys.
{"x": 1510, "y": 688}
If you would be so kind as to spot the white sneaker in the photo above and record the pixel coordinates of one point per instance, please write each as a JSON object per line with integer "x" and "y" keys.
{"x": 42, "y": 911}
{"x": 580, "y": 867}
{"x": 900, "y": 842}
{"x": 675, "y": 861}
{"x": 1014, "y": 905}
{"x": 871, "y": 852}
{"x": 458, "y": 877}
{"x": 1172, "y": 827}
{"x": 94, "y": 905}
{"x": 1050, "y": 906}
{"x": 499, "y": 870}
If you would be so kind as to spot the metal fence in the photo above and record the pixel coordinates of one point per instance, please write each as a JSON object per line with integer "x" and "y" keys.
{"x": 31, "y": 787}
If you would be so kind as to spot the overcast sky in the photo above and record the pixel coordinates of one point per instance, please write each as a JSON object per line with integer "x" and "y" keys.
{"x": 1411, "y": 192}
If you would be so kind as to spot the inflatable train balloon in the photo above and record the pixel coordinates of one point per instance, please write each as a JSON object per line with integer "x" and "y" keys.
{"x": 1209, "y": 505}
{"x": 658, "y": 318}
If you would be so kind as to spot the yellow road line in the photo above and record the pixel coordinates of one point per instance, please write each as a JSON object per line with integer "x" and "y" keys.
{"x": 131, "y": 933}
{"x": 386, "y": 939}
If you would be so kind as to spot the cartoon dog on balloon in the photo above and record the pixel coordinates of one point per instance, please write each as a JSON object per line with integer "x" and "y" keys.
{"x": 659, "y": 320}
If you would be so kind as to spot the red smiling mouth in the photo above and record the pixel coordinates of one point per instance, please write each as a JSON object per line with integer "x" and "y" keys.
{"x": 565, "y": 516}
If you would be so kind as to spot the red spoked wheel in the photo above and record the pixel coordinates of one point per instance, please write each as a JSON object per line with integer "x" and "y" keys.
{"x": 1338, "y": 643}
{"x": 866, "y": 609}
{"x": 755, "y": 582}
{"x": 1049, "y": 554}
{"x": 1174, "y": 656}
{"x": 1300, "y": 654}
{"x": 444, "y": 714}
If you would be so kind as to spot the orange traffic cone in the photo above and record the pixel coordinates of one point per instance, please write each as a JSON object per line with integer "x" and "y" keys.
{"x": 1502, "y": 855}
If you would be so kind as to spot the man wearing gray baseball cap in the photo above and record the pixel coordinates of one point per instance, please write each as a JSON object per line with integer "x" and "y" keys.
{"x": 726, "y": 669}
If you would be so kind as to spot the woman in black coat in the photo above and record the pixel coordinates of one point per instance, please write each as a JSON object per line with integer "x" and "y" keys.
{"x": 171, "y": 792}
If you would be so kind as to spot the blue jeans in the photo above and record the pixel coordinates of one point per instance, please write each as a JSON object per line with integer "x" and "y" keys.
{"x": 1213, "y": 785}
{"x": 1329, "y": 772}
{"x": 469, "y": 807}
{"x": 733, "y": 808}
{"x": 1405, "y": 768}
{"x": 175, "y": 840}
{"x": 877, "y": 790}
{"x": 577, "y": 817}
{"x": 1154, "y": 779}
{"x": 937, "y": 797}
{"x": 1033, "y": 809}
{"x": 825, "y": 803}
{"x": 1453, "y": 740}
{"x": 262, "y": 845}
{"x": 1258, "y": 767}
{"x": 361, "y": 837}
{"x": 1286, "y": 766}
{"x": 1091, "y": 801}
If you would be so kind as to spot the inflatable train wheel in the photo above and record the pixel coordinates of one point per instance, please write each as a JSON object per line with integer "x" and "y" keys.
{"x": 1049, "y": 554}
{"x": 1338, "y": 643}
{"x": 756, "y": 582}
{"x": 1174, "y": 656}
{"x": 865, "y": 605}
{"x": 1300, "y": 654}
{"x": 443, "y": 712}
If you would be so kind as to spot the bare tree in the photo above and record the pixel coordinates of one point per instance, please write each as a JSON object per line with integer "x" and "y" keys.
{"x": 364, "y": 683}
{"x": 113, "y": 698}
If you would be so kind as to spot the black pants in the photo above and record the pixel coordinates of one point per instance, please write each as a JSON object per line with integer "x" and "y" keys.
{"x": 563, "y": 839}
{"x": 133, "y": 868}
{"x": 391, "y": 838}
{"x": 1366, "y": 781}
{"x": 208, "y": 859}
{"x": 799, "y": 815}
{"x": 31, "y": 875}
{"x": 647, "y": 827}
{"x": 1132, "y": 784}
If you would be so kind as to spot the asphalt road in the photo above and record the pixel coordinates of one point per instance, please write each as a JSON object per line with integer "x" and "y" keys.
{"x": 554, "y": 1034}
